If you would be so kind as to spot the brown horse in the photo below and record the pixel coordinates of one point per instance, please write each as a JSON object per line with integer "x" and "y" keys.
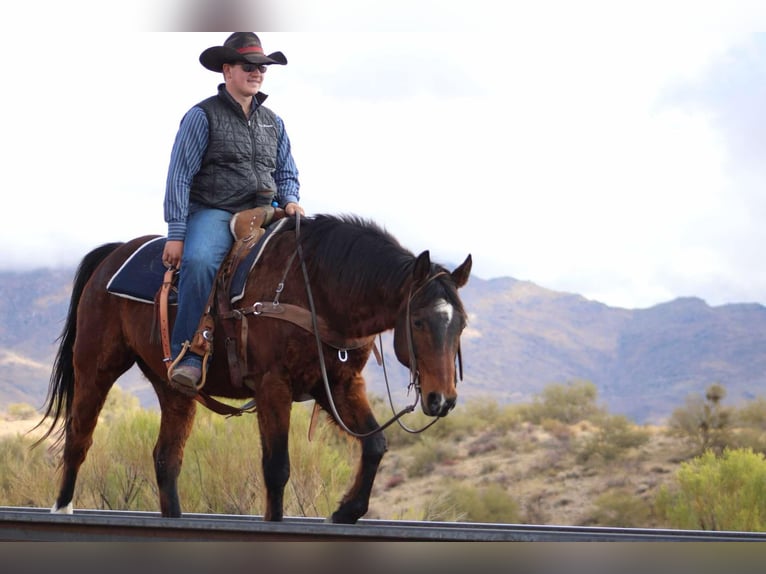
{"x": 359, "y": 281}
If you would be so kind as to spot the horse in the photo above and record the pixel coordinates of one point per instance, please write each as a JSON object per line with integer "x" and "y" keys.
{"x": 350, "y": 275}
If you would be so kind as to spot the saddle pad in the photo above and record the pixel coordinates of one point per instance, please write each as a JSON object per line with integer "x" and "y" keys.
{"x": 141, "y": 276}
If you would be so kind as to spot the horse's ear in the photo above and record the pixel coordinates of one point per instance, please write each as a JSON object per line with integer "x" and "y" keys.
{"x": 422, "y": 268}
{"x": 463, "y": 272}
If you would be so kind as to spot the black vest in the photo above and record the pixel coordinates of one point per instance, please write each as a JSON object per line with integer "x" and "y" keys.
{"x": 238, "y": 167}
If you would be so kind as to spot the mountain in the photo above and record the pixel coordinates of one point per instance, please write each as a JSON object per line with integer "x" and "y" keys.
{"x": 520, "y": 338}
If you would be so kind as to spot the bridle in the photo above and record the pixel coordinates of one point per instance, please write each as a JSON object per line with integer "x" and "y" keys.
{"x": 414, "y": 373}
{"x": 413, "y": 357}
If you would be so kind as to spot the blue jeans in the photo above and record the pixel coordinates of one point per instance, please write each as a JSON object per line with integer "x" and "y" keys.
{"x": 208, "y": 240}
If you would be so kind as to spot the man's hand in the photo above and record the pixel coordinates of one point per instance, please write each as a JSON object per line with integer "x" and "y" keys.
{"x": 292, "y": 208}
{"x": 171, "y": 255}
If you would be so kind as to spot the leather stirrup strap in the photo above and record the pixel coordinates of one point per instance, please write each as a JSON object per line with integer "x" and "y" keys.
{"x": 167, "y": 282}
{"x": 231, "y": 342}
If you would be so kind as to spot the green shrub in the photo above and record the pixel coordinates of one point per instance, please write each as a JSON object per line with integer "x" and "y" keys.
{"x": 750, "y": 421}
{"x": 752, "y": 414}
{"x": 487, "y": 504}
{"x": 620, "y": 508}
{"x": 705, "y": 423}
{"x": 20, "y": 412}
{"x": 570, "y": 403}
{"x": 27, "y": 475}
{"x": 221, "y": 471}
{"x": 718, "y": 493}
{"x": 614, "y": 437}
{"x": 426, "y": 455}
{"x": 118, "y": 473}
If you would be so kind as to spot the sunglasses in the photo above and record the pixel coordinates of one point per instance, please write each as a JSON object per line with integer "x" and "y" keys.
{"x": 249, "y": 68}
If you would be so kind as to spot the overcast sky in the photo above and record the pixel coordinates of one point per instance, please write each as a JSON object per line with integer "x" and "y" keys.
{"x": 611, "y": 149}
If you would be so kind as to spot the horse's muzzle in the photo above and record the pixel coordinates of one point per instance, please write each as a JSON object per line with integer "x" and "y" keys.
{"x": 438, "y": 405}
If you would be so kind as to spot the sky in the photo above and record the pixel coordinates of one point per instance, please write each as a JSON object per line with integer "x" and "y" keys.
{"x": 612, "y": 149}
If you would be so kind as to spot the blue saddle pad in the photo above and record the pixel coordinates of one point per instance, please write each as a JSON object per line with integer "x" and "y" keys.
{"x": 141, "y": 276}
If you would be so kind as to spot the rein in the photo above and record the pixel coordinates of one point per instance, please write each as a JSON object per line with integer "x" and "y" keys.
{"x": 414, "y": 376}
{"x": 314, "y": 320}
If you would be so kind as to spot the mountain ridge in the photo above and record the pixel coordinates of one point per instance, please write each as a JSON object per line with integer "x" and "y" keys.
{"x": 520, "y": 338}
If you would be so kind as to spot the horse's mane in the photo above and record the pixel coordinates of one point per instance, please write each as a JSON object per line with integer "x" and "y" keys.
{"x": 354, "y": 255}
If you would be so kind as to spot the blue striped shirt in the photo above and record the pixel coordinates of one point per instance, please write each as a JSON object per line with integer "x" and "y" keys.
{"x": 186, "y": 159}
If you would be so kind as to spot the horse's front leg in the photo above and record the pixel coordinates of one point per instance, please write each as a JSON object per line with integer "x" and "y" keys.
{"x": 274, "y": 424}
{"x": 176, "y": 423}
{"x": 357, "y": 415}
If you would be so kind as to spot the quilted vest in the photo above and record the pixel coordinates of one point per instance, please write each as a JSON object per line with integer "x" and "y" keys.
{"x": 237, "y": 170}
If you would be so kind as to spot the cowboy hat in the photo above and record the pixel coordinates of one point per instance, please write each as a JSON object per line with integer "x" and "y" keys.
{"x": 239, "y": 47}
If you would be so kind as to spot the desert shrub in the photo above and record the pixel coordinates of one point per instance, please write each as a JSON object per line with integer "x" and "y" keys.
{"x": 568, "y": 403}
{"x": 620, "y": 508}
{"x": 221, "y": 471}
{"x": 119, "y": 403}
{"x": 118, "y": 473}
{"x": 726, "y": 492}
{"x": 321, "y": 469}
{"x": 752, "y": 414}
{"x": 750, "y": 421}
{"x": 614, "y": 436}
{"x": 222, "y": 466}
{"x": 20, "y": 412}
{"x": 557, "y": 429}
{"x": 27, "y": 475}
{"x": 426, "y": 455}
{"x": 751, "y": 438}
{"x": 486, "y": 504}
{"x": 464, "y": 421}
{"x": 704, "y": 422}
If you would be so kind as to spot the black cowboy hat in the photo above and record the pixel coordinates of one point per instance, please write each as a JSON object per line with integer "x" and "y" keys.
{"x": 239, "y": 47}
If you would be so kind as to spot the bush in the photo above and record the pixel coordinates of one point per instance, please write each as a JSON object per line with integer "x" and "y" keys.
{"x": 426, "y": 455}
{"x": 221, "y": 472}
{"x": 569, "y": 403}
{"x": 490, "y": 504}
{"x": 704, "y": 422}
{"x": 718, "y": 493}
{"x": 620, "y": 508}
{"x": 27, "y": 475}
{"x": 20, "y": 412}
{"x": 751, "y": 423}
{"x": 615, "y": 435}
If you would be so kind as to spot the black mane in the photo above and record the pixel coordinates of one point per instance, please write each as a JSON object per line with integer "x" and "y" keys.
{"x": 354, "y": 255}
{"x": 351, "y": 254}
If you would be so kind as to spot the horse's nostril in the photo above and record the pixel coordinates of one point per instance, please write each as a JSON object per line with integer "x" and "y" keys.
{"x": 439, "y": 405}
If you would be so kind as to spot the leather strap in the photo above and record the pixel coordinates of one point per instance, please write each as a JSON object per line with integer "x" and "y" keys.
{"x": 230, "y": 338}
{"x": 167, "y": 282}
{"x": 302, "y": 318}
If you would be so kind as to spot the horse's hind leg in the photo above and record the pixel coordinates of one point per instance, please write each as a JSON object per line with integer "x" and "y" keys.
{"x": 356, "y": 413}
{"x": 91, "y": 388}
{"x": 178, "y": 412}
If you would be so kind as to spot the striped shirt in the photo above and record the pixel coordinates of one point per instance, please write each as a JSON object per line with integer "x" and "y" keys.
{"x": 186, "y": 159}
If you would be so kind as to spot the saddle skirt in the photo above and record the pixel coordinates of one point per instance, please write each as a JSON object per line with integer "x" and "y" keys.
{"x": 142, "y": 274}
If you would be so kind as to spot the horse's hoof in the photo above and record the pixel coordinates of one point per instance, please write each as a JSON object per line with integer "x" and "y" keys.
{"x": 68, "y": 509}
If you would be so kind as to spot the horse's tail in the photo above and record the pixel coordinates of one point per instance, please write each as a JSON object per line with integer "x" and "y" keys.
{"x": 61, "y": 385}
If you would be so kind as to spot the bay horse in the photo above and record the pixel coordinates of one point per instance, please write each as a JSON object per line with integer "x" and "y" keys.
{"x": 359, "y": 281}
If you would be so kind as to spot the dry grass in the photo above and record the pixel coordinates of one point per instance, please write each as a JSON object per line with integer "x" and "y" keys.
{"x": 537, "y": 468}
{"x": 536, "y": 465}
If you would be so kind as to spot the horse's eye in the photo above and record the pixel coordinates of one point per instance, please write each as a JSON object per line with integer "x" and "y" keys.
{"x": 417, "y": 323}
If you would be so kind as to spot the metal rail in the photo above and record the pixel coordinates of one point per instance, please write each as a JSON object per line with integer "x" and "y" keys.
{"x": 37, "y": 524}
